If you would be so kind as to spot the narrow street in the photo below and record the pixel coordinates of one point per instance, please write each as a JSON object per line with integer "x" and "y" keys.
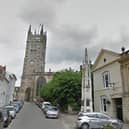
{"x": 31, "y": 117}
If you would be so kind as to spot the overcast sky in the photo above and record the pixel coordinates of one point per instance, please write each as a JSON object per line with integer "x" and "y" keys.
{"x": 71, "y": 26}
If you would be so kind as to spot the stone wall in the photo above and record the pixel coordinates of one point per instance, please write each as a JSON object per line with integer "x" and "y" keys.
{"x": 126, "y": 109}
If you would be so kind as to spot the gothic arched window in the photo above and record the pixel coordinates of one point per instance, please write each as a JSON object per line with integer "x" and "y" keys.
{"x": 40, "y": 82}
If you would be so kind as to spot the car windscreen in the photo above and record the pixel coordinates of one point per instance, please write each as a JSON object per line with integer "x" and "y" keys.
{"x": 10, "y": 108}
{"x": 53, "y": 109}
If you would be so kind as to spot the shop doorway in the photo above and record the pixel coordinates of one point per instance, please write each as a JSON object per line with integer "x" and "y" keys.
{"x": 119, "y": 110}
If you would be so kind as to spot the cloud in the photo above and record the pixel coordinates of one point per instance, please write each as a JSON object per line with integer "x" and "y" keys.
{"x": 40, "y": 11}
{"x": 110, "y": 44}
{"x": 68, "y": 43}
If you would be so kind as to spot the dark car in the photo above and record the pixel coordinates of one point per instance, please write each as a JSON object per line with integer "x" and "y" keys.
{"x": 20, "y": 103}
{"x": 1, "y": 120}
{"x": 6, "y": 117}
{"x": 16, "y": 106}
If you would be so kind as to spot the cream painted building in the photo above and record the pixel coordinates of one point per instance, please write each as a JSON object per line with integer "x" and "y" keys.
{"x": 7, "y": 83}
{"x": 124, "y": 60}
{"x": 107, "y": 81}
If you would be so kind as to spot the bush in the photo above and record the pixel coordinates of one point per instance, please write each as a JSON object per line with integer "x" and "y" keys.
{"x": 108, "y": 127}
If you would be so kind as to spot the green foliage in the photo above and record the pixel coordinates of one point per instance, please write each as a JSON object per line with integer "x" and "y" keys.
{"x": 65, "y": 89}
{"x": 108, "y": 127}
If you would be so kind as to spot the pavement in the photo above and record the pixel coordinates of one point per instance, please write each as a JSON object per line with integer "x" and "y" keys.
{"x": 126, "y": 126}
{"x": 69, "y": 121}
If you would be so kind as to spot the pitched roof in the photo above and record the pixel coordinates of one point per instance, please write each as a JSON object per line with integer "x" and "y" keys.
{"x": 100, "y": 54}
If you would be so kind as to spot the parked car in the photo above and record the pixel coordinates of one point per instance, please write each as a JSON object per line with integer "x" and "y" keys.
{"x": 19, "y": 102}
{"x": 96, "y": 120}
{"x": 1, "y": 120}
{"x": 16, "y": 106}
{"x": 39, "y": 104}
{"x": 52, "y": 112}
{"x": 44, "y": 104}
{"x": 46, "y": 108}
{"x": 6, "y": 117}
{"x": 11, "y": 110}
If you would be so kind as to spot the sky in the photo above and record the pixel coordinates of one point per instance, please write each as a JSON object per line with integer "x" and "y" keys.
{"x": 71, "y": 25}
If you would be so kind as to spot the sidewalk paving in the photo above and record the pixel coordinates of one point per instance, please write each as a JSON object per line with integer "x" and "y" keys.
{"x": 69, "y": 120}
{"x": 126, "y": 126}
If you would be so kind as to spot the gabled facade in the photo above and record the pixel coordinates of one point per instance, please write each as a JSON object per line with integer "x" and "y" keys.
{"x": 7, "y": 83}
{"x": 108, "y": 84}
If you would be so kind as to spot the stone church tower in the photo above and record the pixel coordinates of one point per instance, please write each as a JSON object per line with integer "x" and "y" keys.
{"x": 33, "y": 76}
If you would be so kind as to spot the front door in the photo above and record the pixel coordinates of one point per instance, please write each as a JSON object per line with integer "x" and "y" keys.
{"x": 119, "y": 111}
{"x": 28, "y": 94}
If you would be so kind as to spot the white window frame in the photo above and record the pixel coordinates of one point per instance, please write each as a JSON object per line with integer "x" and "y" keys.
{"x": 103, "y": 100}
{"x": 106, "y": 82}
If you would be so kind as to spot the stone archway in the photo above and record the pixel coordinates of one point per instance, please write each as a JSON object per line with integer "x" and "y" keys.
{"x": 40, "y": 82}
{"x": 28, "y": 94}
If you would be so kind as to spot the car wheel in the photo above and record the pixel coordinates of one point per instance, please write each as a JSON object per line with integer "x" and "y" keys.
{"x": 85, "y": 126}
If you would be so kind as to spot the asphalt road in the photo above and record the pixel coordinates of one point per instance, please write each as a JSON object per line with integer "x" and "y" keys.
{"x": 31, "y": 117}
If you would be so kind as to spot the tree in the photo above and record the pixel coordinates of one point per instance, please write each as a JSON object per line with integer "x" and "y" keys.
{"x": 64, "y": 89}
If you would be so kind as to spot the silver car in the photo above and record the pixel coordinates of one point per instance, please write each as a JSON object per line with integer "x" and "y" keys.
{"x": 96, "y": 120}
{"x": 44, "y": 104}
{"x": 52, "y": 112}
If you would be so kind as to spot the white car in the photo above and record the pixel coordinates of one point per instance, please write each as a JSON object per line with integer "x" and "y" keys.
{"x": 45, "y": 103}
{"x": 52, "y": 112}
{"x": 97, "y": 120}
